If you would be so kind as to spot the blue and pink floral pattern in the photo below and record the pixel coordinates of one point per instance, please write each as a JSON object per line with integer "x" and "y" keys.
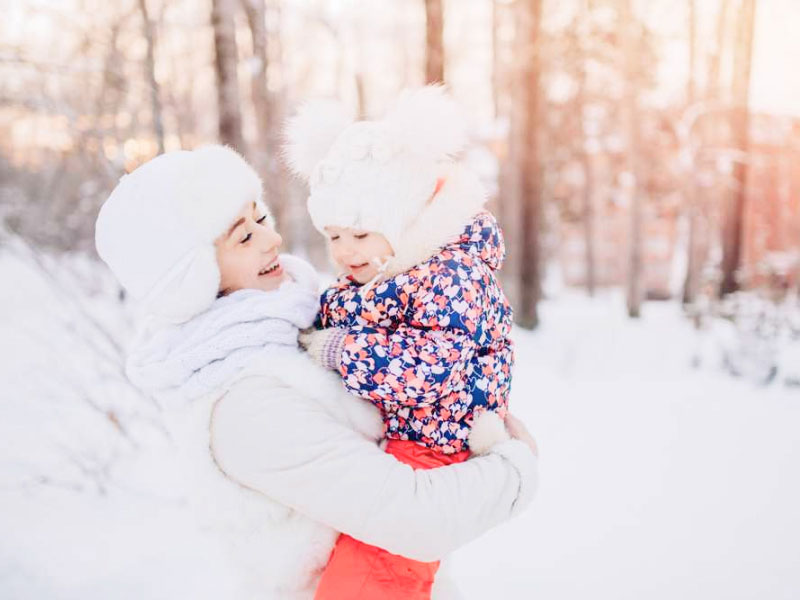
{"x": 430, "y": 346}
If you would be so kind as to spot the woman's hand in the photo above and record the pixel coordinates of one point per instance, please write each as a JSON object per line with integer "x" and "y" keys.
{"x": 518, "y": 431}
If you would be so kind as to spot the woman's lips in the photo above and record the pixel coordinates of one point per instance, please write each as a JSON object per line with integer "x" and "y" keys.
{"x": 274, "y": 269}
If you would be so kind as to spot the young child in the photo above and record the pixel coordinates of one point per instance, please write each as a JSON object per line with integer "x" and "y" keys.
{"x": 418, "y": 323}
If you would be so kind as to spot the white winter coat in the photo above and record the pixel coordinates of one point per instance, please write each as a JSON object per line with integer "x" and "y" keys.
{"x": 302, "y": 464}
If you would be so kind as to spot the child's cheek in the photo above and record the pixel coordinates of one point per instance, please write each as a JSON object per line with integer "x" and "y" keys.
{"x": 335, "y": 255}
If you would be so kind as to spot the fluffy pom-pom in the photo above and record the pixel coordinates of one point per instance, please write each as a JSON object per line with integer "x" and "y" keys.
{"x": 427, "y": 120}
{"x": 311, "y": 132}
{"x": 488, "y": 429}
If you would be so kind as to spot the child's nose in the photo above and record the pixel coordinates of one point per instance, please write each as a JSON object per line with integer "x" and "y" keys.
{"x": 346, "y": 251}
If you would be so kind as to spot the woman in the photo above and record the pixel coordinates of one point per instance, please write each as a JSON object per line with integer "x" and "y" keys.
{"x": 187, "y": 235}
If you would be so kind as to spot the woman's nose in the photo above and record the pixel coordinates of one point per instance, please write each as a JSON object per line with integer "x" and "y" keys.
{"x": 270, "y": 239}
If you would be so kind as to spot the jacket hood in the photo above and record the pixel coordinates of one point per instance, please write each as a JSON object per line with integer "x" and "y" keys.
{"x": 483, "y": 239}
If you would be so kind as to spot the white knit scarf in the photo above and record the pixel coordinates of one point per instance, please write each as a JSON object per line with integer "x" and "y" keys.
{"x": 191, "y": 359}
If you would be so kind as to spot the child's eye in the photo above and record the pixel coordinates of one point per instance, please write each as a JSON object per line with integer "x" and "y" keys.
{"x": 360, "y": 236}
{"x": 246, "y": 238}
{"x": 334, "y": 238}
{"x": 261, "y": 220}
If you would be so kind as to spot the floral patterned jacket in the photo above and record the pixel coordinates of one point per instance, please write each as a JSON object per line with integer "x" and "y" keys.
{"x": 430, "y": 346}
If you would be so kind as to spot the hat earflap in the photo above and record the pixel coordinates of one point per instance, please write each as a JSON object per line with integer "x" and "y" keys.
{"x": 310, "y": 134}
{"x": 428, "y": 122}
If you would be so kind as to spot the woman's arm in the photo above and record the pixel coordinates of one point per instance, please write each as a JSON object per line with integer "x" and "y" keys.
{"x": 298, "y": 454}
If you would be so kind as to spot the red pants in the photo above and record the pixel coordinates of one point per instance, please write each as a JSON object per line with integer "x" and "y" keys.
{"x": 357, "y": 571}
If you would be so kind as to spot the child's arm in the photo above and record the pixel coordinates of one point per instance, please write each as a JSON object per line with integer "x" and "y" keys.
{"x": 411, "y": 365}
{"x": 405, "y": 366}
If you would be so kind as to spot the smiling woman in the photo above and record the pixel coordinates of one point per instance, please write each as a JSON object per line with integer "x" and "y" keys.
{"x": 247, "y": 254}
{"x": 268, "y": 440}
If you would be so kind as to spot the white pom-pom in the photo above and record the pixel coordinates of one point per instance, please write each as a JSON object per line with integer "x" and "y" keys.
{"x": 311, "y": 132}
{"x": 429, "y": 122}
{"x": 488, "y": 429}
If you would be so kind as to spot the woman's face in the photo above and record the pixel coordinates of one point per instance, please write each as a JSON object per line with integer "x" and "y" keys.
{"x": 358, "y": 253}
{"x": 247, "y": 253}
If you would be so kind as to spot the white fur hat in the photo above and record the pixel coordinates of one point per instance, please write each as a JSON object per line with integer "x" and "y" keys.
{"x": 156, "y": 230}
{"x": 379, "y": 175}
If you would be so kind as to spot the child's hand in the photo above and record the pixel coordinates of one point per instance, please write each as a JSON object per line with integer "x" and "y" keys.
{"x": 518, "y": 431}
{"x": 324, "y": 346}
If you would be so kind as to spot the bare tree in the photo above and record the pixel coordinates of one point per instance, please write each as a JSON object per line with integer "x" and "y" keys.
{"x": 692, "y": 266}
{"x": 150, "y": 68}
{"x": 434, "y": 41}
{"x": 267, "y": 107}
{"x": 225, "y": 65}
{"x": 630, "y": 56}
{"x": 585, "y": 159}
{"x": 733, "y": 233}
{"x": 529, "y": 161}
{"x": 697, "y": 204}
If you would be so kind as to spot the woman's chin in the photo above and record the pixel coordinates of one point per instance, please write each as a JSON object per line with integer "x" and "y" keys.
{"x": 272, "y": 282}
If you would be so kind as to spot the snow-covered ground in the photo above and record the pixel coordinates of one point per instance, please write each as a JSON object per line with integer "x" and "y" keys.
{"x": 657, "y": 480}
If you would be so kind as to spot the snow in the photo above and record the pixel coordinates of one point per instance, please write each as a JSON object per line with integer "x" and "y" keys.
{"x": 658, "y": 480}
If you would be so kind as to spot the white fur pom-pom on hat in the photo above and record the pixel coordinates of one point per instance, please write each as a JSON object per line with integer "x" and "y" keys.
{"x": 310, "y": 134}
{"x": 427, "y": 120}
{"x": 156, "y": 230}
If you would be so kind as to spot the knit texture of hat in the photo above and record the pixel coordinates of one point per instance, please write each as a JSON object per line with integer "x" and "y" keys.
{"x": 156, "y": 230}
{"x": 379, "y": 175}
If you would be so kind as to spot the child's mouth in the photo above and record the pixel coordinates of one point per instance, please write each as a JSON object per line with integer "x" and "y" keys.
{"x": 271, "y": 270}
{"x": 359, "y": 267}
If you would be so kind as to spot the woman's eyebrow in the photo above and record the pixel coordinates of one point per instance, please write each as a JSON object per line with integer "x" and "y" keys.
{"x": 234, "y": 226}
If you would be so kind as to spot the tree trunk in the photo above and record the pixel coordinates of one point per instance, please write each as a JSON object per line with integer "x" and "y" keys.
{"x": 266, "y": 154}
{"x": 150, "y": 67}
{"x": 434, "y": 42}
{"x": 225, "y": 66}
{"x": 496, "y": 79}
{"x": 630, "y": 39}
{"x": 698, "y": 225}
{"x": 589, "y": 216}
{"x": 734, "y": 226}
{"x": 530, "y": 179}
{"x": 589, "y": 241}
{"x": 713, "y": 88}
{"x": 691, "y": 281}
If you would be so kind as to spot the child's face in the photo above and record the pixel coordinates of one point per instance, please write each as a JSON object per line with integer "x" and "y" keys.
{"x": 247, "y": 253}
{"x": 358, "y": 253}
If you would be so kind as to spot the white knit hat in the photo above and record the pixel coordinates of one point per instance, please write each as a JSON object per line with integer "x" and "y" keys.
{"x": 156, "y": 230}
{"x": 379, "y": 175}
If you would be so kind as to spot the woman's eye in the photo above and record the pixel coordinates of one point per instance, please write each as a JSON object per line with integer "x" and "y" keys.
{"x": 246, "y": 238}
{"x": 261, "y": 220}
{"x": 334, "y": 238}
